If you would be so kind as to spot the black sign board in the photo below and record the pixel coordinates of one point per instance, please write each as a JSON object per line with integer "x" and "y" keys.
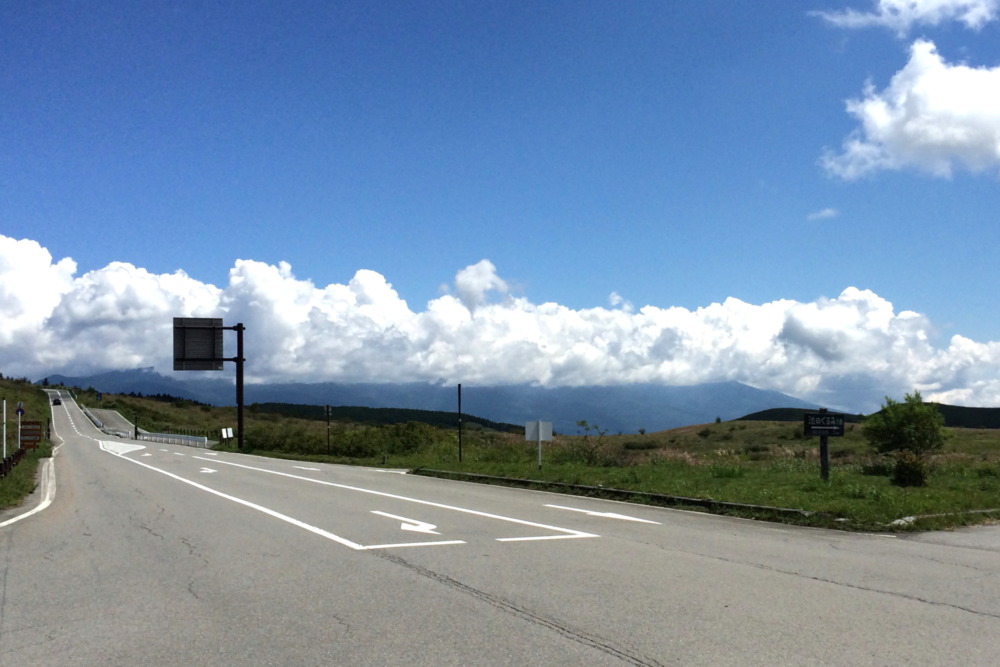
{"x": 823, "y": 423}
{"x": 198, "y": 344}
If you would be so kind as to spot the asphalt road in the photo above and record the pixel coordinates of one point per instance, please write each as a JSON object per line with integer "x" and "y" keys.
{"x": 167, "y": 555}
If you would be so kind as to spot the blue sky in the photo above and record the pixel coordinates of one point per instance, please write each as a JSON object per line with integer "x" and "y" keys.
{"x": 597, "y": 155}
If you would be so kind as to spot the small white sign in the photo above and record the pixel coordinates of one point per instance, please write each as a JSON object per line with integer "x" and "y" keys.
{"x": 538, "y": 430}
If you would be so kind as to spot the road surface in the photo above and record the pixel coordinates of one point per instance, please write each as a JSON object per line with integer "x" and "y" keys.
{"x": 168, "y": 555}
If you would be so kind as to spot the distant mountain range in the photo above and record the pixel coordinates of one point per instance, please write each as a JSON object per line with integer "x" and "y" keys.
{"x": 619, "y": 409}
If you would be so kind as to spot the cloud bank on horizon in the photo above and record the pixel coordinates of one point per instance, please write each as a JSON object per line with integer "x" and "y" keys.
{"x": 934, "y": 116}
{"x": 847, "y": 352}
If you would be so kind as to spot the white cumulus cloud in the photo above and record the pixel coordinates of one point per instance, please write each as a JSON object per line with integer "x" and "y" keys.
{"x": 933, "y": 116}
{"x": 902, "y": 15}
{"x": 848, "y": 351}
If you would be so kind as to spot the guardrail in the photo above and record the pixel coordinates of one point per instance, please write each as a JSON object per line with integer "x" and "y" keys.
{"x": 174, "y": 439}
{"x": 92, "y": 417}
{"x": 8, "y": 463}
{"x": 200, "y": 441}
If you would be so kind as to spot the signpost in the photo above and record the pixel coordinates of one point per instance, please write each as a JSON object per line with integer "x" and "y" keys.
{"x": 20, "y": 412}
{"x": 538, "y": 431}
{"x": 328, "y": 410}
{"x": 824, "y": 425}
{"x": 198, "y": 347}
{"x": 31, "y": 434}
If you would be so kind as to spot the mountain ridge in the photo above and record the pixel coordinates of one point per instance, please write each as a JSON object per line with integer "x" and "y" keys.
{"x": 617, "y": 408}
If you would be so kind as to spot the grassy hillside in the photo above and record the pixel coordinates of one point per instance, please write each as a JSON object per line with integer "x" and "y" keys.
{"x": 382, "y": 416}
{"x": 954, "y": 415}
{"x": 793, "y": 415}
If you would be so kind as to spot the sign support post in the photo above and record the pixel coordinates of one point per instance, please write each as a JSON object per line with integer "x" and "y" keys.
{"x": 538, "y": 431}
{"x": 824, "y": 425}
{"x": 198, "y": 347}
{"x": 239, "y": 383}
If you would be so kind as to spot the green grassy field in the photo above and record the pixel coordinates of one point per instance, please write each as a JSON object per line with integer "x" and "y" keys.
{"x": 758, "y": 464}
{"x": 16, "y": 486}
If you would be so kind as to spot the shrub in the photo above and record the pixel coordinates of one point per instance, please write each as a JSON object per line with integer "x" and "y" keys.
{"x": 640, "y": 445}
{"x": 910, "y": 469}
{"x": 912, "y": 425}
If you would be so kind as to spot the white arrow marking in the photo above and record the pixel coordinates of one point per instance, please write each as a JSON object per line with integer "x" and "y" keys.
{"x": 604, "y": 515}
{"x": 411, "y": 524}
{"x": 305, "y": 468}
{"x": 208, "y": 470}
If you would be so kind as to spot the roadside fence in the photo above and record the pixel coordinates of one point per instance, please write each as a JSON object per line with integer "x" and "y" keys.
{"x": 8, "y": 463}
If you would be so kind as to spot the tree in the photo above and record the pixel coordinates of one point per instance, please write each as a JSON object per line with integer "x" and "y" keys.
{"x": 912, "y": 426}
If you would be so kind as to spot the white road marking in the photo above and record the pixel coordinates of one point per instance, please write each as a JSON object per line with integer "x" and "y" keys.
{"x": 413, "y": 544}
{"x": 208, "y": 470}
{"x": 605, "y": 515}
{"x": 566, "y": 532}
{"x": 411, "y": 524}
{"x": 254, "y": 506}
{"x": 48, "y": 489}
{"x": 119, "y": 447}
{"x": 305, "y": 468}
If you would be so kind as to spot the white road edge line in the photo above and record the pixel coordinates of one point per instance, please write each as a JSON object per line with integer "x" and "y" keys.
{"x": 48, "y": 490}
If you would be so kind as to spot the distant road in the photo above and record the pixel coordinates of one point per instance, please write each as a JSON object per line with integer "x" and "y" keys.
{"x": 166, "y": 555}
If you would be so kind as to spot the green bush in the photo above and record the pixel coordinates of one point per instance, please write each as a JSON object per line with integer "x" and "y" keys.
{"x": 912, "y": 425}
{"x": 910, "y": 469}
{"x": 640, "y": 445}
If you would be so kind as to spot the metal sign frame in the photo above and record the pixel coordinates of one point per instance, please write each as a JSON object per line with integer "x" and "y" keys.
{"x": 198, "y": 347}
{"x": 198, "y": 344}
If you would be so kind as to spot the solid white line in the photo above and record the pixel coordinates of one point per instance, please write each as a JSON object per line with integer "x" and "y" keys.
{"x": 260, "y": 508}
{"x": 413, "y": 544}
{"x": 569, "y": 531}
{"x": 604, "y": 515}
{"x": 48, "y": 490}
{"x": 543, "y": 537}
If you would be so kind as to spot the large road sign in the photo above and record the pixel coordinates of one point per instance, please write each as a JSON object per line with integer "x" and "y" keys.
{"x": 198, "y": 344}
